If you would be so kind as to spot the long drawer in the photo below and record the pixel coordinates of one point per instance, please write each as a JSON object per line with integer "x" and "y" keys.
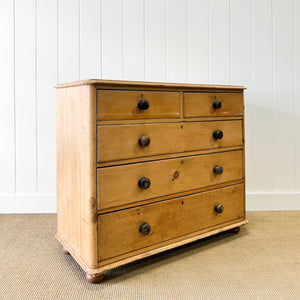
{"x": 117, "y": 142}
{"x": 212, "y": 104}
{"x": 126, "y": 105}
{"x": 135, "y": 228}
{"x": 121, "y": 185}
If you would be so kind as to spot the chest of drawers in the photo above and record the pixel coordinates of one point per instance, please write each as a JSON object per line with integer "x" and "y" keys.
{"x": 146, "y": 167}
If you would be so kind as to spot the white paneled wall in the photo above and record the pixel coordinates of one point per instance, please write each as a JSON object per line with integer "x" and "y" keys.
{"x": 255, "y": 43}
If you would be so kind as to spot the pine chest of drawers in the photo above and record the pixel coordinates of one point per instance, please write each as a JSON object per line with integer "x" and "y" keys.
{"x": 145, "y": 167}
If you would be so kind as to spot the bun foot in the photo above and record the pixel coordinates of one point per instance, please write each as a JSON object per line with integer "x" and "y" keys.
{"x": 235, "y": 230}
{"x": 65, "y": 251}
{"x": 95, "y": 278}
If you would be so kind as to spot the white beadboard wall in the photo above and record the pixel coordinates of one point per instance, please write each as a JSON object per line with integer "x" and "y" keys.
{"x": 255, "y": 43}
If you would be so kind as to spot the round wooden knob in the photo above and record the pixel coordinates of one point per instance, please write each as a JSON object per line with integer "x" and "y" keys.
{"x": 218, "y": 169}
{"x": 219, "y": 208}
{"x": 218, "y": 134}
{"x": 144, "y": 228}
{"x": 217, "y": 104}
{"x": 144, "y": 183}
{"x": 144, "y": 141}
{"x": 143, "y": 104}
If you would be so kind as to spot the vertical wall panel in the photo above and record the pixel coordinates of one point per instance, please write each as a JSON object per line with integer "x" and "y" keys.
{"x": 112, "y": 39}
{"x": 262, "y": 100}
{"x": 7, "y": 127}
{"x": 155, "y": 37}
{"x": 176, "y": 45}
{"x": 90, "y": 39}
{"x": 197, "y": 41}
{"x": 25, "y": 96}
{"x": 283, "y": 102}
{"x": 133, "y": 40}
{"x": 255, "y": 43}
{"x": 240, "y": 12}
{"x": 46, "y": 58}
{"x": 296, "y": 17}
{"x": 219, "y": 41}
{"x": 68, "y": 40}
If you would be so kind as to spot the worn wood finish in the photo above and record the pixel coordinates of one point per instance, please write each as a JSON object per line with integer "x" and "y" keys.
{"x": 169, "y": 196}
{"x": 175, "y": 120}
{"x": 166, "y": 156}
{"x": 119, "y": 231}
{"x": 123, "y": 105}
{"x": 121, "y": 141}
{"x": 76, "y": 171}
{"x": 235, "y": 230}
{"x": 167, "y": 245}
{"x": 139, "y": 84}
{"x": 100, "y": 161}
{"x": 119, "y": 185}
{"x": 94, "y": 278}
{"x": 201, "y": 104}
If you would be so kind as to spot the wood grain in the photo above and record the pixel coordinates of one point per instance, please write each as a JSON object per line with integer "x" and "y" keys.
{"x": 201, "y": 104}
{"x": 119, "y": 231}
{"x": 121, "y": 83}
{"x": 169, "y": 120}
{"x": 76, "y": 171}
{"x": 122, "y": 105}
{"x": 119, "y": 185}
{"x": 151, "y": 250}
{"x": 121, "y": 141}
{"x": 167, "y": 245}
{"x": 100, "y": 161}
{"x": 170, "y": 196}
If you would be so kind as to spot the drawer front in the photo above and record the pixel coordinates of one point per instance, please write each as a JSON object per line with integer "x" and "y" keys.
{"x": 119, "y": 142}
{"x": 119, "y": 232}
{"x": 127, "y": 184}
{"x": 210, "y": 104}
{"x": 126, "y": 105}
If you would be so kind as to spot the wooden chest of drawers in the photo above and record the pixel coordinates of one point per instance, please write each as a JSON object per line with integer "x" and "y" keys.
{"x": 145, "y": 167}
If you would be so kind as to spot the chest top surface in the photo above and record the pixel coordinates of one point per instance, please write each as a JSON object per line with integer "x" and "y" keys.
{"x": 144, "y": 84}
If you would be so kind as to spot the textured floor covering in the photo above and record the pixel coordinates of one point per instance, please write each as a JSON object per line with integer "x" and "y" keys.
{"x": 261, "y": 262}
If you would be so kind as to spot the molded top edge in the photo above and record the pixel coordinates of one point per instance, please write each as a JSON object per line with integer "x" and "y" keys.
{"x": 121, "y": 83}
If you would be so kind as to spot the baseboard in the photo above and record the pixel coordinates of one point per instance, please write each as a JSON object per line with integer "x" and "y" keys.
{"x": 25, "y": 204}
{"x": 47, "y": 203}
{"x": 272, "y": 201}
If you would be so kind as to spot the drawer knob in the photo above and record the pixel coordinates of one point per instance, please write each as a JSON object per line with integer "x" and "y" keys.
{"x": 144, "y": 228}
{"x": 218, "y": 169}
{"x": 144, "y": 141}
{"x": 218, "y": 134}
{"x": 217, "y": 104}
{"x": 144, "y": 183}
{"x": 143, "y": 104}
{"x": 219, "y": 208}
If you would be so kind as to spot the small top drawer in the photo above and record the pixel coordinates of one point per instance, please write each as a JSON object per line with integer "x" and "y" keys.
{"x": 212, "y": 104}
{"x": 128, "y": 105}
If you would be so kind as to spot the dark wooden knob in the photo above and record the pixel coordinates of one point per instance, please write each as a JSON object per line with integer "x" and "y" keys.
{"x": 218, "y": 169}
{"x": 218, "y": 134}
{"x": 219, "y": 208}
{"x": 217, "y": 104}
{"x": 144, "y": 182}
{"x": 143, "y": 104}
{"x": 144, "y": 228}
{"x": 144, "y": 141}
